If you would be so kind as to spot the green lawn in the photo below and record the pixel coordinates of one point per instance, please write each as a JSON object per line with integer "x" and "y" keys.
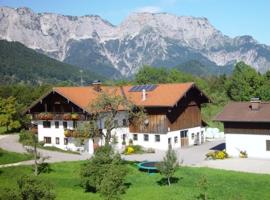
{"x": 7, "y": 157}
{"x": 224, "y": 185}
{"x": 52, "y": 148}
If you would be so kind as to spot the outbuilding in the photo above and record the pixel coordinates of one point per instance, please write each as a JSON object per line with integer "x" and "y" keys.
{"x": 247, "y": 128}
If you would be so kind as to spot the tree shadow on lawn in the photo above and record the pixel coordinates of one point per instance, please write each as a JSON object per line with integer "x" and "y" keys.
{"x": 219, "y": 147}
{"x": 164, "y": 181}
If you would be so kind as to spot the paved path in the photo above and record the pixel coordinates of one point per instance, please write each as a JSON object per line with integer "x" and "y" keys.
{"x": 192, "y": 156}
{"x": 261, "y": 166}
{"x": 10, "y": 143}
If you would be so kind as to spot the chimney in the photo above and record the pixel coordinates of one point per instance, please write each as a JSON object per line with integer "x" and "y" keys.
{"x": 96, "y": 85}
{"x": 143, "y": 95}
{"x": 255, "y": 103}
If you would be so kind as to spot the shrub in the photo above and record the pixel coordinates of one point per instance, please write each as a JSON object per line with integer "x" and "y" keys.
{"x": 104, "y": 173}
{"x": 44, "y": 168}
{"x": 26, "y": 137}
{"x": 243, "y": 154}
{"x": 32, "y": 188}
{"x": 168, "y": 166}
{"x": 93, "y": 171}
{"x": 10, "y": 194}
{"x": 29, "y": 188}
{"x": 217, "y": 155}
{"x": 112, "y": 185}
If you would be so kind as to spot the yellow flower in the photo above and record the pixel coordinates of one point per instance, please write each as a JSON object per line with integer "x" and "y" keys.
{"x": 130, "y": 150}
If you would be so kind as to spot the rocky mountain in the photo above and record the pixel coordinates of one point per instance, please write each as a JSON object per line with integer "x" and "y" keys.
{"x": 158, "y": 39}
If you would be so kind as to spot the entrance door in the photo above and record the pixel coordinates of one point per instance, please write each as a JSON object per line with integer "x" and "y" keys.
{"x": 184, "y": 138}
{"x": 202, "y": 137}
{"x": 197, "y": 140}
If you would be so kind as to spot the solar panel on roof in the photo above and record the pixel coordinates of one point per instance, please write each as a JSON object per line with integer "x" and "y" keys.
{"x": 139, "y": 88}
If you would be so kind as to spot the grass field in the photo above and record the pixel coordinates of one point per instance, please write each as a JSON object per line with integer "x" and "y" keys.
{"x": 7, "y": 157}
{"x": 224, "y": 185}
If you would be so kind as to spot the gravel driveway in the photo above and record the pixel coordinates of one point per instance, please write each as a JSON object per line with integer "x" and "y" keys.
{"x": 10, "y": 143}
{"x": 191, "y": 156}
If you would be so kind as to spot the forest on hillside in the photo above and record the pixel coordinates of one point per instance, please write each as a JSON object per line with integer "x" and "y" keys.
{"x": 242, "y": 85}
{"x": 19, "y": 64}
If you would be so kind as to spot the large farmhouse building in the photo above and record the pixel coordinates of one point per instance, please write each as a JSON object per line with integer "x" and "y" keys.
{"x": 173, "y": 115}
{"x": 247, "y": 128}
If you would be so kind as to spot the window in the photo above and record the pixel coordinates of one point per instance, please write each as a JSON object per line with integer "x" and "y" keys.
{"x": 75, "y": 124}
{"x": 46, "y": 124}
{"x": 57, "y": 140}
{"x": 169, "y": 141}
{"x": 192, "y": 136}
{"x": 135, "y": 137}
{"x": 146, "y": 137}
{"x": 47, "y": 140}
{"x": 175, "y": 139}
{"x": 124, "y": 136}
{"x": 124, "y": 122}
{"x": 65, "y": 125}
{"x": 183, "y": 134}
{"x": 65, "y": 141}
{"x": 56, "y": 124}
{"x": 115, "y": 123}
{"x": 157, "y": 138}
{"x": 267, "y": 145}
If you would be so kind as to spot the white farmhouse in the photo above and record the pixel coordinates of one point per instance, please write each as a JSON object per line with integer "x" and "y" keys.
{"x": 173, "y": 116}
{"x": 247, "y": 128}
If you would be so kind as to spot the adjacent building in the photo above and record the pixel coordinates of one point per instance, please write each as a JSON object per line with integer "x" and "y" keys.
{"x": 173, "y": 116}
{"x": 247, "y": 128}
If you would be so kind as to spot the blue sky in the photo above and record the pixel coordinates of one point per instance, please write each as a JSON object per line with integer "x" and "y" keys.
{"x": 231, "y": 17}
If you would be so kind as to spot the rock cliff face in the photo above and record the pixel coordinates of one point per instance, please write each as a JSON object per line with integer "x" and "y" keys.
{"x": 157, "y": 39}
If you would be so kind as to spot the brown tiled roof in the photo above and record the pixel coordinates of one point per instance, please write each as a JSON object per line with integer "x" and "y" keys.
{"x": 242, "y": 112}
{"x": 165, "y": 95}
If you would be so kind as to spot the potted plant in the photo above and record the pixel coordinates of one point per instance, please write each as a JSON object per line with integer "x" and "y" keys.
{"x": 45, "y": 116}
{"x": 75, "y": 116}
{"x": 243, "y": 154}
{"x": 67, "y": 116}
{"x": 67, "y": 133}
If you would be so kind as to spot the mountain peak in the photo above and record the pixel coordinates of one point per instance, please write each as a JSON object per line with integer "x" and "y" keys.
{"x": 159, "y": 39}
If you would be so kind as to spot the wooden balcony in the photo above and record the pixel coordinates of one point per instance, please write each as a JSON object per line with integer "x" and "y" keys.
{"x": 60, "y": 116}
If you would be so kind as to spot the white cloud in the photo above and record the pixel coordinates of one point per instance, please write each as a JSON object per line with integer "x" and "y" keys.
{"x": 149, "y": 9}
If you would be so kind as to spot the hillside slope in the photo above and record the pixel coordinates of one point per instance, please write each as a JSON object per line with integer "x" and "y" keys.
{"x": 21, "y": 64}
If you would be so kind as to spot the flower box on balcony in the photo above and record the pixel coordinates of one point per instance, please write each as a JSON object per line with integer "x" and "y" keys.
{"x": 75, "y": 116}
{"x": 45, "y": 116}
{"x": 75, "y": 134}
{"x": 67, "y": 116}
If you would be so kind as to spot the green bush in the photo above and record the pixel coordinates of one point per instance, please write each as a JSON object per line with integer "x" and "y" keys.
{"x": 29, "y": 188}
{"x": 44, "y": 168}
{"x": 104, "y": 173}
{"x": 112, "y": 185}
{"x": 10, "y": 194}
{"x": 33, "y": 188}
{"x": 26, "y": 137}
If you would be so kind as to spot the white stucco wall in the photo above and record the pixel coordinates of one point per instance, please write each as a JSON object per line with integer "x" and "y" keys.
{"x": 254, "y": 145}
{"x": 74, "y": 144}
{"x": 163, "y": 143}
{"x": 53, "y": 133}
